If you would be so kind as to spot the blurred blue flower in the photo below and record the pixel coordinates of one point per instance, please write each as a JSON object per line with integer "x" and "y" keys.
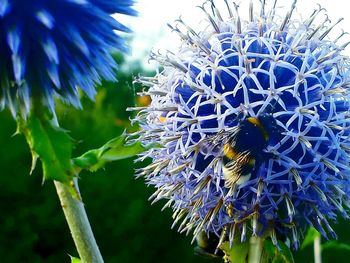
{"x": 55, "y": 47}
{"x": 254, "y": 119}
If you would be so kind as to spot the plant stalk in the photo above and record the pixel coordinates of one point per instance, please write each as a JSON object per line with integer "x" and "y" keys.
{"x": 317, "y": 249}
{"x": 79, "y": 225}
{"x": 255, "y": 249}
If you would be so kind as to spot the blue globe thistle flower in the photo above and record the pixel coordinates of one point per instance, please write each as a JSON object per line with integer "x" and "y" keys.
{"x": 55, "y": 47}
{"x": 253, "y": 117}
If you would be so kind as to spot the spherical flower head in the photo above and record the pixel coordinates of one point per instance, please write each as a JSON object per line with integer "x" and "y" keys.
{"x": 253, "y": 121}
{"x": 55, "y": 47}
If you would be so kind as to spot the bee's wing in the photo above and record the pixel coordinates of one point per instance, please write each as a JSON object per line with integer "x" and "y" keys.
{"x": 214, "y": 143}
{"x": 232, "y": 173}
{"x": 233, "y": 170}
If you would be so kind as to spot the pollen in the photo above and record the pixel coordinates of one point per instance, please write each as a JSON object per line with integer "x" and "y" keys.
{"x": 162, "y": 119}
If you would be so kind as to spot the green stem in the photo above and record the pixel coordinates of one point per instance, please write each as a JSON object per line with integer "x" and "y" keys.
{"x": 255, "y": 249}
{"x": 79, "y": 225}
{"x": 53, "y": 147}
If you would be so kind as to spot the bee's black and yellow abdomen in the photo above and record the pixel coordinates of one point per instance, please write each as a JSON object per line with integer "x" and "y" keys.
{"x": 248, "y": 167}
{"x": 237, "y": 165}
{"x": 245, "y": 150}
{"x": 229, "y": 153}
{"x": 252, "y": 137}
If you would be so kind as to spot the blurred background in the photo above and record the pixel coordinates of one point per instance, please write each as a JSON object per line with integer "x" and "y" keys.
{"x": 126, "y": 226}
{"x": 151, "y": 30}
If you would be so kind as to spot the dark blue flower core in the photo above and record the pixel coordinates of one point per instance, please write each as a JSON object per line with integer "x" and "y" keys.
{"x": 266, "y": 99}
{"x": 55, "y": 47}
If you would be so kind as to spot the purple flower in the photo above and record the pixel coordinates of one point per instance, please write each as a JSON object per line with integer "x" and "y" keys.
{"x": 253, "y": 119}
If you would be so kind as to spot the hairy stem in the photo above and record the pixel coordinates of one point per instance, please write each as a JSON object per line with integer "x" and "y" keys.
{"x": 79, "y": 225}
{"x": 255, "y": 249}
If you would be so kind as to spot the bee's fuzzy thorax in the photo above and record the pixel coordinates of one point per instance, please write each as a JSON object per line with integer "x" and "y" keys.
{"x": 281, "y": 70}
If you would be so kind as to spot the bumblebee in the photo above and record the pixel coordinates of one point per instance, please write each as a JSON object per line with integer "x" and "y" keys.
{"x": 244, "y": 147}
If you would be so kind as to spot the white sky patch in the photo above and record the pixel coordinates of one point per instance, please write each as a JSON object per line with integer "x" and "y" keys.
{"x": 152, "y": 33}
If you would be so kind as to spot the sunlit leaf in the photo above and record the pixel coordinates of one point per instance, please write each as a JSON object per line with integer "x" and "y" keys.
{"x": 282, "y": 254}
{"x": 75, "y": 260}
{"x": 51, "y": 144}
{"x": 335, "y": 245}
{"x": 238, "y": 253}
{"x": 114, "y": 150}
{"x": 311, "y": 234}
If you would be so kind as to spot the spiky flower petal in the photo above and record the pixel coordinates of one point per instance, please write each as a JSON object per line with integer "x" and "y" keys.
{"x": 55, "y": 47}
{"x": 267, "y": 99}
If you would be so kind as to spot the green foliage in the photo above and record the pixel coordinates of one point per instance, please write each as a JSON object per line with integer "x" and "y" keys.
{"x": 75, "y": 260}
{"x": 335, "y": 245}
{"x": 127, "y": 227}
{"x": 328, "y": 248}
{"x": 277, "y": 255}
{"x": 49, "y": 143}
{"x": 238, "y": 253}
{"x": 116, "y": 149}
{"x": 329, "y": 245}
{"x": 311, "y": 234}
